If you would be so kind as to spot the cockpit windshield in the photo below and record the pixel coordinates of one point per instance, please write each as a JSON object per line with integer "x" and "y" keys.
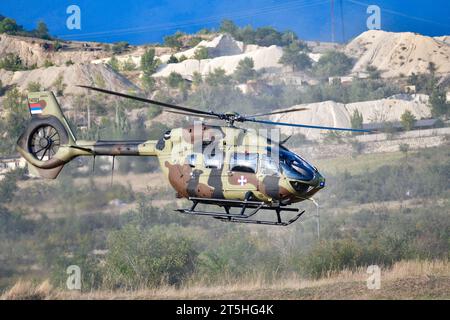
{"x": 294, "y": 166}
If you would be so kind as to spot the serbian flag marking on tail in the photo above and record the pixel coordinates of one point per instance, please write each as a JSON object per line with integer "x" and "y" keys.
{"x": 35, "y": 108}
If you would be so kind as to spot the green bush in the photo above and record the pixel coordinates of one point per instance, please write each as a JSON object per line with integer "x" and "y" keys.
{"x": 148, "y": 258}
{"x": 337, "y": 255}
{"x": 174, "y": 41}
{"x": 12, "y": 62}
{"x": 120, "y": 47}
{"x": 245, "y": 70}
{"x": 201, "y": 53}
{"x": 174, "y": 80}
{"x": 333, "y": 63}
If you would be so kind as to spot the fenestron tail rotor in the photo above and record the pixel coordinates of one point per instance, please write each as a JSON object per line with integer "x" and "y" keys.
{"x": 229, "y": 117}
{"x": 44, "y": 142}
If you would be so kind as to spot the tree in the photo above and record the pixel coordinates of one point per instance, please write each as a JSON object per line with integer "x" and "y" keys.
{"x": 174, "y": 80}
{"x": 356, "y": 120}
{"x": 333, "y": 63}
{"x": 431, "y": 68}
{"x": 16, "y": 113}
{"x": 245, "y": 70}
{"x": 201, "y": 53}
{"x": 288, "y": 37}
{"x": 267, "y": 36}
{"x": 12, "y": 62}
{"x": 192, "y": 42}
{"x": 197, "y": 79}
{"x": 217, "y": 77}
{"x": 8, "y": 186}
{"x": 373, "y": 72}
{"x": 407, "y": 119}
{"x": 172, "y": 59}
{"x": 59, "y": 85}
{"x": 114, "y": 63}
{"x": 148, "y": 62}
{"x": 438, "y": 103}
{"x": 174, "y": 41}
{"x": 129, "y": 65}
{"x": 34, "y": 86}
{"x": 293, "y": 56}
{"x": 42, "y": 30}
{"x": 404, "y": 148}
{"x": 228, "y": 26}
{"x": 8, "y": 25}
{"x": 120, "y": 47}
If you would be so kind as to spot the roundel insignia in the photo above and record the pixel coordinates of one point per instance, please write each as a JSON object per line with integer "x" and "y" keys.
{"x": 43, "y": 103}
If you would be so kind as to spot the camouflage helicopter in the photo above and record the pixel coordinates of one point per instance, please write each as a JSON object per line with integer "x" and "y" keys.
{"x": 234, "y": 168}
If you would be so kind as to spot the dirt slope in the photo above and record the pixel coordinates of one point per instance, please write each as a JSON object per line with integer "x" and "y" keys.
{"x": 330, "y": 113}
{"x": 87, "y": 74}
{"x": 399, "y": 53}
{"x": 37, "y": 51}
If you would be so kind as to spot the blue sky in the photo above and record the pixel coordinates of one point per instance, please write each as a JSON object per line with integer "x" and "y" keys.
{"x": 147, "y": 21}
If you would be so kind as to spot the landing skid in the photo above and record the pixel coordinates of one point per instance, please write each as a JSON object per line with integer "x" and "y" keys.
{"x": 248, "y": 209}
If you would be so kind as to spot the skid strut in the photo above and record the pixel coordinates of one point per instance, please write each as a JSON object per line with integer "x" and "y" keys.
{"x": 248, "y": 208}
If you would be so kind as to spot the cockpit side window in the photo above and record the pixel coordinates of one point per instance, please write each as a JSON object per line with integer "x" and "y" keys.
{"x": 268, "y": 165}
{"x": 244, "y": 162}
{"x": 214, "y": 160}
{"x": 191, "y": 160}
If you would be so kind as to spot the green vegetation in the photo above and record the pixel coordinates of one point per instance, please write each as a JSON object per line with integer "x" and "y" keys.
{"x": 149, "y": 245}
{"x": 12, "y": 62}
{"x": 14, "y": 121}
{"x": 149, "y": 64}
{"x": 217, "y": 77}
{"x": 172, "y": 59}
{"x": 333, "y": 63}
{"x": 245, "y": 70}
{"x": 295, "y": 56}
{"x": 129, "y": 65}
{"x": 192, "y": 42}
{"x": 120, "y": 47}
{"x": 114, "y": 63}
{"x": 34, "y": 87}
{"x": 356, "y": 119}
{"x": 148, "y": 257}
{"x": 438, "y": 103}
{"x": 48, "y": 63}
{"x": 59, "y": 85}
{"x": 174, "y": 41}
{"x": 408, "y": 119}
{"x": 373, "y": 72}
{"x": 263, "y": 36}
{"x": 174, "y": 80}
{"x": 10, "y": 26}
{"x": 201, "y": 53}
{"x": 42, "y": 31}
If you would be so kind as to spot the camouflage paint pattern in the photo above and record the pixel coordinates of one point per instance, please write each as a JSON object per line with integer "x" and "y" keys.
{"x": 183, "y": 155}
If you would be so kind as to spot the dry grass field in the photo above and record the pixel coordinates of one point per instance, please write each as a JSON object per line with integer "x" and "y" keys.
{"x": 404, "y": 280}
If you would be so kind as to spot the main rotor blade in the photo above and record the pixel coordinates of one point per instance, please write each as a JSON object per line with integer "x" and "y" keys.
{"x": 190, "y": 114}
{"x": 276, "y": 112}
{"x": 305, "y": 126}
{"x": 159, "y": 103}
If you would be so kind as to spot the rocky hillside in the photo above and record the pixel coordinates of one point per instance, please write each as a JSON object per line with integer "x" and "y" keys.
{"x": 330, "y": 113}
{"x": 70, "y": 77}
{"x": 33, "y": 51}
{"x": 396, "y": 54}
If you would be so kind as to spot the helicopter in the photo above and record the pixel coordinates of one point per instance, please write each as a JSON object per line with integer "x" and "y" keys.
{"x": 239, "y": 170}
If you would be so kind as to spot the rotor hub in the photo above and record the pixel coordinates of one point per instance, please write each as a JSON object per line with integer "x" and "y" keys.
{"x": 44, "y": 142}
